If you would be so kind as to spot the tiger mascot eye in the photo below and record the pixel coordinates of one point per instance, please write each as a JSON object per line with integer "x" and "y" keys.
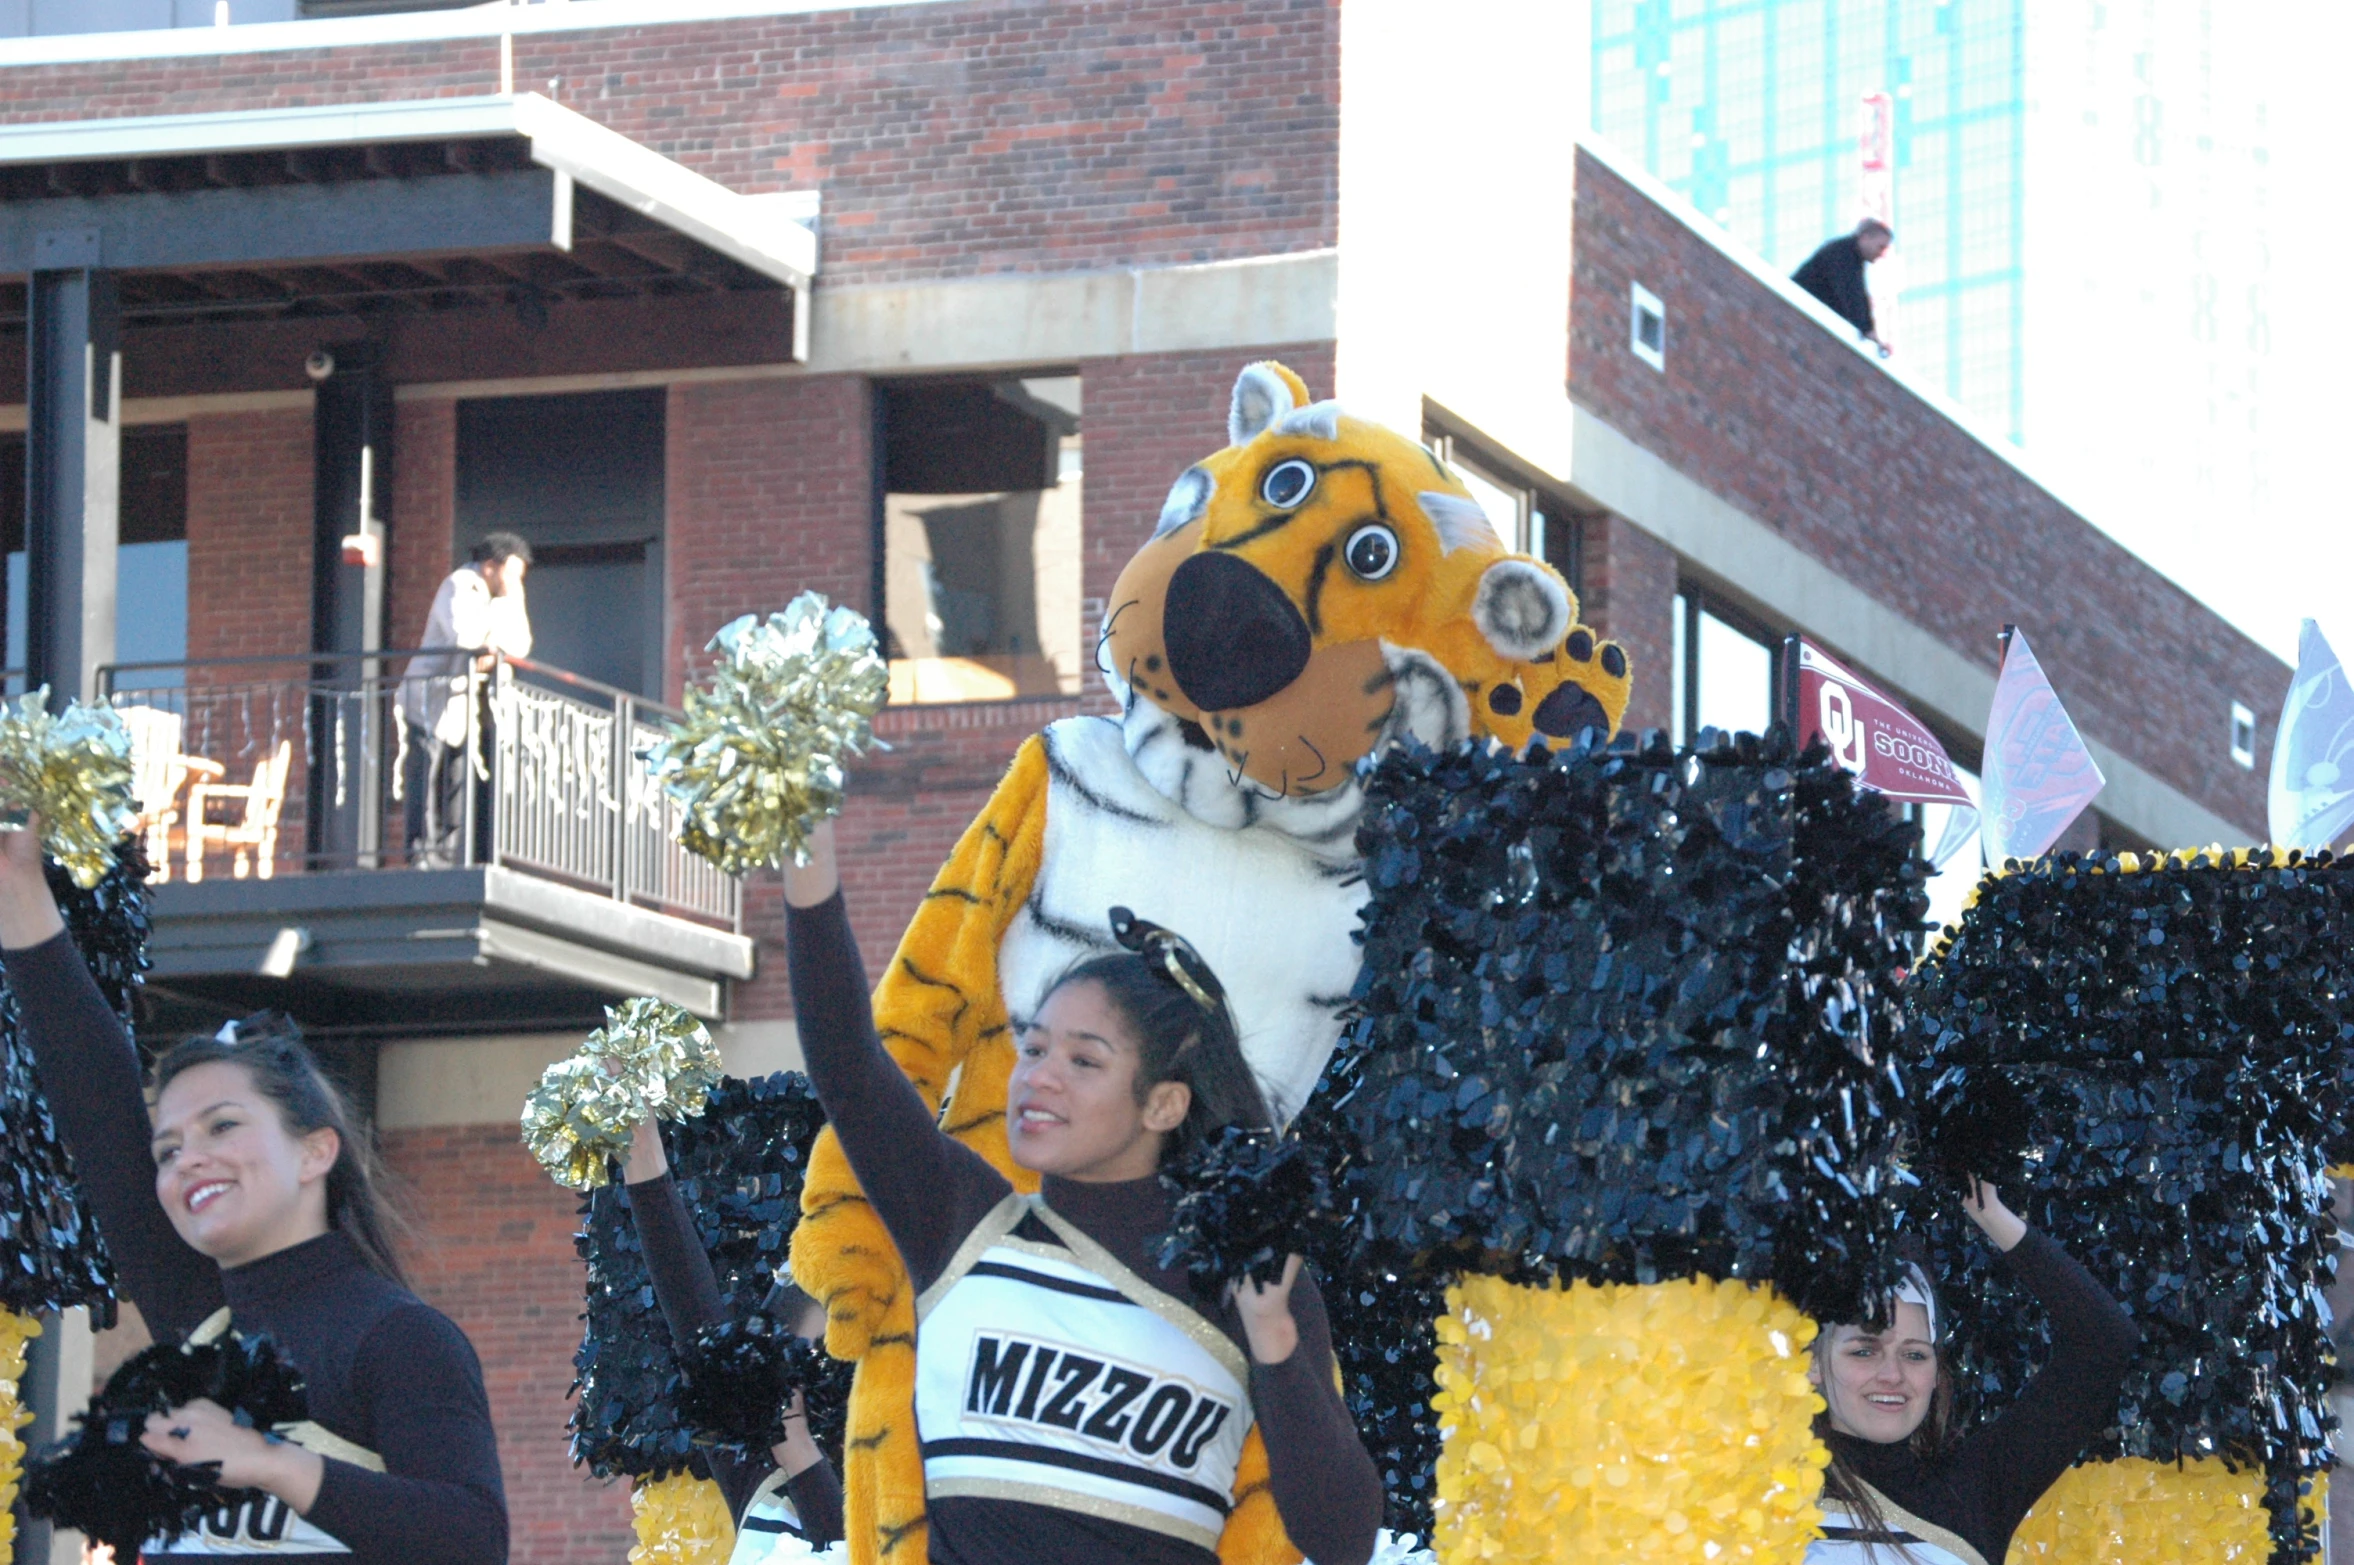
{"x": 1320, "y": 588}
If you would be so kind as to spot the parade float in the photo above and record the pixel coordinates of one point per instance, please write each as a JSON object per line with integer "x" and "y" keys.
{"x": 1611, "y": 1068}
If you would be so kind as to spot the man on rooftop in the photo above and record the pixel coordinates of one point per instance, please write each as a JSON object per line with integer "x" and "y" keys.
{"x": 1835, "y": 275}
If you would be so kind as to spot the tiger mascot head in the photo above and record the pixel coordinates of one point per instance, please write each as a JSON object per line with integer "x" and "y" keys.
{"x": 1323, "y": 586}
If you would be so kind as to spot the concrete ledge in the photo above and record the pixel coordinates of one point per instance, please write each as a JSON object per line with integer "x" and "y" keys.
{"x": 1057, "y": 318}
{"x": 1010, "y": 323}
{"x": 482, "y": 1081}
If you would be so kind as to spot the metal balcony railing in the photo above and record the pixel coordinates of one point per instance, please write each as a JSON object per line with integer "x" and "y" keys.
{"x": 303, "y": 764}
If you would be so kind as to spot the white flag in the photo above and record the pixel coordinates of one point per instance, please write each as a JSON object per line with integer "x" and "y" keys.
{"x": 2038, "y": 776}
{"x": 2311, "y": 801}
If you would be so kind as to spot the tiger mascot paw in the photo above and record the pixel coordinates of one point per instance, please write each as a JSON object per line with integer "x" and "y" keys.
{"x": 1319, "y": 589}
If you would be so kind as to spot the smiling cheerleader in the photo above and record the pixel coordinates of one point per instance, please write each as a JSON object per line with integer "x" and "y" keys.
{"x": 248, "y": 1198}
{"x": 1898, "y": 1490}
{"x": 1075, "y": 1401}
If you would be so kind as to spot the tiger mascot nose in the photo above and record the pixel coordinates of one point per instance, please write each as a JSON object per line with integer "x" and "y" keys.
{"x": 1234, "y": 637}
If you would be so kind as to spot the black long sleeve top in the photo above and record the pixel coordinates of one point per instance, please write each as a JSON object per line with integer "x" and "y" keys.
{"x": 1835, "y": 275}
{"x": 384, "y": 1369}
{"x": 687, "y": 1289}
{"x": 1983, "y": 1488}
{"x": 931, "y": 1192}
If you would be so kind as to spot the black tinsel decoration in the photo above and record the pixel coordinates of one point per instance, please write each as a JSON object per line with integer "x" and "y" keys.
{"x": 1627, "y": 1015}
{"x": 1241, "y": 1203}
{"x": 51, "y": 1254}
{"x": 739, "y": 1375}
{"x": 101, "y": 1480}
{"x": 2155, "y": 1063}
{"x": 739, "y": 1167}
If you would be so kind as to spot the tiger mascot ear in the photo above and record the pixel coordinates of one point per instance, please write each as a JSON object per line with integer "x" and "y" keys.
{"x": 1263, "y": 394}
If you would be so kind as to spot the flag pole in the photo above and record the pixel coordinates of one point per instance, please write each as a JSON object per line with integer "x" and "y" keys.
{"x": 2002, "y": 646}
{"x": 1786, "y": 687}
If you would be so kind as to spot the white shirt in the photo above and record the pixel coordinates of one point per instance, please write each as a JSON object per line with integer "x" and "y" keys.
{"x": 464, "y": 614}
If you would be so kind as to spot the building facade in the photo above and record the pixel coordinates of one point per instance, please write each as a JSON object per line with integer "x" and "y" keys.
{"x": 921, "y": 305}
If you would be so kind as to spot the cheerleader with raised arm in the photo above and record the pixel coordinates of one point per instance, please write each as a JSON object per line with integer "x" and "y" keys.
{"x": 247, "y": 1199}
{"x": 1076, "y": 1402}
{"x": 791, "y": 1503}
{"x": 1899, "y": 1489}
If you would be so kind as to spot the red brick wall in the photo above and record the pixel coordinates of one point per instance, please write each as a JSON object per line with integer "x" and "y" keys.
{"x": 770, "y": 491}
{"x": 249, "y": 533}
{"x": 494, "y": 1252}
{"x": 424, "y": 515}
{"x": 1629, "y": 595}
{"x": 950, "y": 139}
{"x": 1776, "y": 415}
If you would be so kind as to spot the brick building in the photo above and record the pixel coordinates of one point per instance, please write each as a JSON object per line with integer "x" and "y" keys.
{"x": 1046, "y": 236}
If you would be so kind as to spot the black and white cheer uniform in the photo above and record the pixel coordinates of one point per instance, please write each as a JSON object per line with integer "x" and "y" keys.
{"x": 1077, "y": 1403}
{"x": 777, "y": 1518}
{"x": 1962, "y": 1507}
{"x": 391, "y": 1380}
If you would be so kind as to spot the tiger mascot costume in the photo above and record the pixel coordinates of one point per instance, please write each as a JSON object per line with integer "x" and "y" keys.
{"x": 1319, "y": 588}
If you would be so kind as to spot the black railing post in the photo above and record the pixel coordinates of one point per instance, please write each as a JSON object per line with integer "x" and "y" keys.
{"x": 624, "y": 722}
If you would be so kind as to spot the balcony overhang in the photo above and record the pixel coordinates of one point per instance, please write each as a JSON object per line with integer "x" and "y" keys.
{"x": 388, "y": 213}
{"x": 486, "y": 948}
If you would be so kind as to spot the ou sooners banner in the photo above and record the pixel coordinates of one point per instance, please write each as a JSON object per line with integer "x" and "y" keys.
{"x": 1885, "y": 746}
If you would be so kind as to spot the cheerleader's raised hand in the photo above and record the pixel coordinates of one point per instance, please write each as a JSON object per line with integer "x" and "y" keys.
{"x": 1267, "y": 1321}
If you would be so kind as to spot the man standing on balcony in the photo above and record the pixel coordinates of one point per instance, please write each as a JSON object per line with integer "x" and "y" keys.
{"x": 478, "y": 614}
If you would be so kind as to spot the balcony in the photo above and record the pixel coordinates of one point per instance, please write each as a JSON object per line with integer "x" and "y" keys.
{"x": 310, "y": 854}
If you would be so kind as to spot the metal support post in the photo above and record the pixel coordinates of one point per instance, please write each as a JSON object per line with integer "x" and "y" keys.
{"x": 73, "y": 465}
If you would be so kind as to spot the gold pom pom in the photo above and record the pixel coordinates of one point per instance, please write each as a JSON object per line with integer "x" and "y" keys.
{"x": 758, "y": 760}
{"x": 2150, "y": 1513}
{"x": 15, "y": 1331}
{"x": 75, "y": 769}
{"x": 680, "y": 1520}
{"x": 650, "y": 1057}
{"x": 1671, "y": 1422}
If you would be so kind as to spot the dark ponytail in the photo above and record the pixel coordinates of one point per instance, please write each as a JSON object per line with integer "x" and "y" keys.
{"x": 269, "y": 1047}
{"x": 1184, "y": 1028}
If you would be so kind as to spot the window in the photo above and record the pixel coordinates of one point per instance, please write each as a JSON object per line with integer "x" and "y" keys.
{"x": 1721, "y": 672}
{"x": 2243, "y": 735}
{"x": 980, "y": 537}
{"x": 1527, "y": 518}
{"x": 1649, "y": 319}
{"x": 151, "y": 564}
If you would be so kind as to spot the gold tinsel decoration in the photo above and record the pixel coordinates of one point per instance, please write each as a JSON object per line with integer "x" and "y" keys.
{"x": 650, "y": 1057}
{"x": 759, "y": 758}
{"x": 680, "y": 1520}
{"x": 15, "y": 1331}
{"x": 1621, "y": 1423}
{"x": 2150, "y": 1513}
{"x": 74, "y": 768}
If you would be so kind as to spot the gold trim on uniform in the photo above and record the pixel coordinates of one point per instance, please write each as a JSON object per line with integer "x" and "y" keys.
{"x": 1065, "y": 1500}
{"x": 1899, "y": 1519}
{"x": 1095, "y": 1258}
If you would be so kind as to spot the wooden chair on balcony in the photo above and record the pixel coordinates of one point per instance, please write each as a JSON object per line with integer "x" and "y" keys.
{"x": 159, "y": 769}
{"x": 253, "y": 836}
{"x": 155, "y": 780}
